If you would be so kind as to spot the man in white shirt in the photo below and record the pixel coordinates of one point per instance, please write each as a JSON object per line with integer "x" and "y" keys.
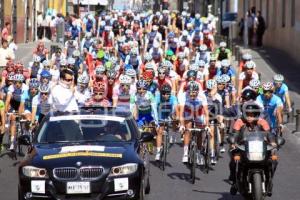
{"x": 62, "y": 94}
{"x": 5, "y": 54}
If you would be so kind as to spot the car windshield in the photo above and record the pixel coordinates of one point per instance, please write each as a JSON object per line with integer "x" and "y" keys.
{"x": 84, "y": 128}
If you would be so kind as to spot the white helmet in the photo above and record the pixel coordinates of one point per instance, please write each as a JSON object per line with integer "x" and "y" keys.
{"x": 225, "y": 63}
{"x": 203, "y": 47}
{"x": 185, "y": 33}
{"x": 149, "y": 66}
{"x": 247, "y": 56}
{"x": 130, "y": 72}
{"x": 250, "y": 64}
{"x": 219, "y": 79}
{"x": 267, "y": 86}
{"x": 278, "y": 78}
{"x": 148, "y": 56}
{"x": 36, "y": 59}
{"x": 125, "y": 79}
{"x": 223, "y": 44}
{"x": 19, "y": 77}
{"x": 197, "y": 16}
{"x": 181, "y": 55}
{"x": 194, "y": 67}
{"x": 254, "y": 83}
{"x": 211, "y": 83}
{"x": 83, "y": 79}
{"x": 225, "y": 78}
{"x": 182, "y": 43}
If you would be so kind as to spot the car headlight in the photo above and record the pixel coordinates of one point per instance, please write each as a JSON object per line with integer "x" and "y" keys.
{"x": 126, "y": 169}
{"x": 35, "y": 172}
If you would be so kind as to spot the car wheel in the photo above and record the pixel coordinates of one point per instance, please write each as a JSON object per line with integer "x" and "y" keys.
{"x": 20, "y": 194}
{"x": 148, "y": 187}
{"x": 142, "y": 190}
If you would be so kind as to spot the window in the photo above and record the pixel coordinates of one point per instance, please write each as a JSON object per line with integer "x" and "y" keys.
{"x": 293, "y": 13}
{"x": 283, "y": 13}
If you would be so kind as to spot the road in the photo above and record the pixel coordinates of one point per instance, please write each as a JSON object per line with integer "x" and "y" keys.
{"x": 174, "y": 182}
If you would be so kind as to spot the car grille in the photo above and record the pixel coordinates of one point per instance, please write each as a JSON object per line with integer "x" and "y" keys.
{"x": 86, "y": 173}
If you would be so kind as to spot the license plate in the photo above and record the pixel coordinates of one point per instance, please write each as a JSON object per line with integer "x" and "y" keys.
{"x": 78, "y": 187}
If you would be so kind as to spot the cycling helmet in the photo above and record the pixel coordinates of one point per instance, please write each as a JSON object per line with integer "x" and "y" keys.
{"x": 181, "y": 55}
{"x": 278, "y": 78}
{"x": 197, "y": 29}
{"x": 100, "y": 54}
{"x": 194, "y": 67}
{"x": 44, "y": 88}
{"x": 149, "y": 66}
{"x": 88, "y": 35}
{"x": 142, "y": 84}
{"x": 250, "y": 108}
{"x": 130, "y": 72}
{"x": 254, "y": 83}
{"x": 193, "y": 86}
{"x": 268, "y": 86}
{"x": 134, "y": 51}
{"x": 34, "y": 83}
{"x": 225, "y": 63}
{"x": 36, "y": 59}
{"x": 225, "y": 78}
{"x": 197, "y": 16}
{"x": 171, "y": 35}
{"x": 148, "y": 74}
{"x": 71, "y": 61}
{"x": 148, "y": 57}
{"x": 45, "y": 74}
{"x": 11, "y": 77}
{"x": 223, "y": 44}
{"x": 83, "y": 79}
{"x": 76, "y": 53}
{"x": 100, "y": 69}
{"x": 182, "y": 43}
{"x": 211, "y": 83}
{"x": 169, "y": 53}
{"x": 250, "y": 64}
{"x": 249, "y": 94}
{"x": 111, "y": 74}
{"x": 125, "y": 79}
{"x": 19, "y": 77}
{"x": 108, "y": 65}
{"x": 191, "y": 73}
{"x": 206, "y": 32}
{"x": 201, "y": 63}
{"x": 113, "y": 60}
{"x": 63, "y": 62}
{"x": 166, "y": 88}
{"x": 46, "y": 63}
{"x": 161, "y": 70}
{"x": 219, "y": 79}
{"x": 185, "y": 33}
{"x": 213, "y": 57}
{"x": 203, "y": 47}
{"x": 247, "y": 56}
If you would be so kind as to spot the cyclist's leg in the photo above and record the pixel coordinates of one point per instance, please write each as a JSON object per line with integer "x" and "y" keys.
{"x": 186, "y": 140}
{"x": 159, "y": 142}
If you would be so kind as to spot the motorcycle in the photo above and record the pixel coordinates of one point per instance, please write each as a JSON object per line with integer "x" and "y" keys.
{"x": 255, "y": 166}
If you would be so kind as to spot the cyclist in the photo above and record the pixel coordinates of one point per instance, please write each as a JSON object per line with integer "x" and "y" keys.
{"x": 123, "y": 91}
{"x": 226, "y": 68}
{"x": 35, "y": 66}
{"x": 134, "y": 59}
{"x": 272, "y": 106}
{"x": 9, "y": 68}
{"x": 282, "y": 91}
{"x": 167, "y": 109}
{"x": 12, "y": 103}
{"x": 192, "y": 106}
{"x": 223, "y": 91}
{"x": 245, "y": 58}
{"x": 98, "y": 97}
{"x": 143, "y": 105}
{"x": 222, "y": 52}
{"x": 203, "y": 54}
{"x": 208, "y": 40}
{"x": 82, "y": 92}
{"x": 246, "y": 76}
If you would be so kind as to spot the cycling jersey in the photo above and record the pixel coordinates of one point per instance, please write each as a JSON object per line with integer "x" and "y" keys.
{"x": 193, "y": 109}
{"x": 17, "y": 94}
{"x": 223, "y": 93}
{"x": 281, "y": 91}
{"x": 223, "y": 54}
{"x": 166, "y": 108}
{"x": 27, "y": 99}
{"x": 214, "y": 104}
{"x": 269, "y": 106}
{"x": 230, "y": 72}
{"x": 247, "y": 78}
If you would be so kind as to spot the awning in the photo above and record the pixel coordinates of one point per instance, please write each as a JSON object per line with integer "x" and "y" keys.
{"x": 91, "y": 2}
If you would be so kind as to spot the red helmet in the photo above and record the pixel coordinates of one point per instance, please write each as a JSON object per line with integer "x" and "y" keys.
{"x": 148, "y": 74}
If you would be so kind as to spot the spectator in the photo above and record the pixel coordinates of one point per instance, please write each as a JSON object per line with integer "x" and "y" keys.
{"x": 40, "y": 28}
{"x": 261, "y": 27}
{"x": 63, "y": 93}
{"x": 6, "y": 31}
{"x": 12, "y": 45}
{"x": 6, "y": 54}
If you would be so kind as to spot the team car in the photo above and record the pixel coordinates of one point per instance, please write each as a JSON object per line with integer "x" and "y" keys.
{"x": 95, "y": 153}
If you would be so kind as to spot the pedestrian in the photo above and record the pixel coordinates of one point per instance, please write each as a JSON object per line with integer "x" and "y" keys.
{"x": 40, "y": 28}
{"x": 6, "y": 54}
{"x": 261, "y": 27}
{"x": 252, "y": 24}
{"x": 12, "y": 45}
{"x": 241, "y": 27}
{"x": 6, "y": 31}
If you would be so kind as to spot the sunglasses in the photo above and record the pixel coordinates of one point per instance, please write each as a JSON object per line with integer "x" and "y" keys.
{"x": 267, "y": 91}
{"x": 111, "y": 78}
{"x": 98, "y": 93}
{"x": 166, "y": 94}
{"x": 143, "y": 89}
{"x": 124, "y": 85}
{"x": 20, "y": 82}
{"x": 162, "y": 73}
{"x": 44, "y": 93}
{"x": 249, "y": 68}
{"x": 68, "y": 79}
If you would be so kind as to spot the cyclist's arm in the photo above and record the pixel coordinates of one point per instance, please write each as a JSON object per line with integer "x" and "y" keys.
{"x": 22, "y": 107}
{"x": 154, "y": 108}
{"x": 288, "y": 100}
{"x": 279, "y": 114}
{"x": 206, "y": 113}
{"x": 7, "y": 102}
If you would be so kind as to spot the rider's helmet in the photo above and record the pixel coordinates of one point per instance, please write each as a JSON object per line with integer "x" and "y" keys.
{"x": 248, "y": 95}
{"x": 83, "y": 79}
{"x": 247, "y": 57}
{"x": 130, "y": 73}
{"x": 125, "y": 80}
{"x": 142, "y": 84}
{"x": 166, "y": 89}
{"x": 46, "y": 74}
{"x": 191, "y": 74}
{"x": 225, "y": 78}
{"x": 223, "y": 44}
{"x": 19, "y": 77}
{"x": 268, "y": 86}
{"x": 250, "y": 64}
{"x": 203, "y": 47}
{"x": 251, "y": 109}
{"x": 36, "y": 59}
{"x": 254, "y": 84}
{"x": 34, "y": 83}
{"x": 193, "y": 86}
{"x": 148, "y": 57}
{"x": 44, "y": 88}
{"x": 111, "y": 74}
{"x": 278, "y": 78}
{"x": 211, "y": 84}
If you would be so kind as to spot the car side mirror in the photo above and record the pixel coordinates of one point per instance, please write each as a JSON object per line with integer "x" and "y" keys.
{"x": 24, "y": 140}
{"x": 146, "y": 137}
{"x": 280, "y": 141}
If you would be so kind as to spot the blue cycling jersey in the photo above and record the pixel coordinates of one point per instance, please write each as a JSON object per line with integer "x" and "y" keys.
{"x": 269, "y": 106}
{"x": 230, "y": 72}
{"x": 165, "y": 108}
{"x": 281, "y": 91}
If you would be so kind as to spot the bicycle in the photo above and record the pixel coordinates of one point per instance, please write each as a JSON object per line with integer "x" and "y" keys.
{"x": 166, "y": 141}
{"x": 193, "y": 148}
{"x": 205, "y": 150}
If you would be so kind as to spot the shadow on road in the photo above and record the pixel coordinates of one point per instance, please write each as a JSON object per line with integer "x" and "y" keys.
{"x": 181, "y": 176}
{"x": 224, "y": 195}
{"x": 158, "y": 164}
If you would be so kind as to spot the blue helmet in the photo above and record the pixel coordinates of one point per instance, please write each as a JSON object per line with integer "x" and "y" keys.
{"x": 46, "y": 74}
{"x": 34, "y": 83}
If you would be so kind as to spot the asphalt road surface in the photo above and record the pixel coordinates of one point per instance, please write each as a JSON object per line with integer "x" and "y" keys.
{"x": 174, "y": 182}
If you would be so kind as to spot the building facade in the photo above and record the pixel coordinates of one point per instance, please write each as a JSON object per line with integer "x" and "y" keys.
{"x": 283, "y": 24}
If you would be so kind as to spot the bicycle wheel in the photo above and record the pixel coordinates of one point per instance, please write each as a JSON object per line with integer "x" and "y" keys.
{"x": 18, "y": 134}
{"x": 206, "y": 153}
{"x": 165, "y": 150}
{"x": 193, "y": 162}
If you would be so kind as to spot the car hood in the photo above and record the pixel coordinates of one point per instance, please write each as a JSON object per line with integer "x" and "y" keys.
{"x": 62, "y": 155}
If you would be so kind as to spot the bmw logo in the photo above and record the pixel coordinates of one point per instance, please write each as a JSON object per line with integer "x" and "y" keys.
{"x": 78, "y": 163}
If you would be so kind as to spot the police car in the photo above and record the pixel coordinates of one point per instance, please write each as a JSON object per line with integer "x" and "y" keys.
{"x": 96, "y": 153}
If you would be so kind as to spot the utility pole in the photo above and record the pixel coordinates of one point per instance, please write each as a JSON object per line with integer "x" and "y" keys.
{"x": 246, "y": 8}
